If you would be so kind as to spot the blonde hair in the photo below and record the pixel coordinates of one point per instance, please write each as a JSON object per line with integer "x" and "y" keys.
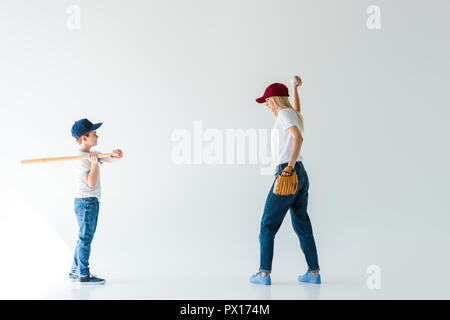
{"x": 283, "y": 102}
{"x": 79, "y": 140}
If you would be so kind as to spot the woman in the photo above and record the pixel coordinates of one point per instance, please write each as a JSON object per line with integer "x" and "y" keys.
{"x": 290, "y": 187}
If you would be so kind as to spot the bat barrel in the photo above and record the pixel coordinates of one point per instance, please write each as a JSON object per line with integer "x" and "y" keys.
{"x": 53, "y": 159}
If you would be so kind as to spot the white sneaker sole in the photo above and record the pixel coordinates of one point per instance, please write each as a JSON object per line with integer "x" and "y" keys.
{"x": 91, "y": 283}
{"x": 77, "y": 281}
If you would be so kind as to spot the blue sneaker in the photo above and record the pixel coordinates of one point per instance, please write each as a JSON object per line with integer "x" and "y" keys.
{"x": 90, "y": 279}
{"x": 310, "y": 278}
{"x": 258, "y": 279}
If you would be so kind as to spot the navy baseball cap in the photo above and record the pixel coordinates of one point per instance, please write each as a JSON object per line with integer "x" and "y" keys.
{"x": 82, "y": 126}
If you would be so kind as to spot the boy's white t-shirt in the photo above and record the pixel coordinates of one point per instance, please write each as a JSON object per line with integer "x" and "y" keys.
{"x": 281, "y": 139}
{"x": 81, "y": 168}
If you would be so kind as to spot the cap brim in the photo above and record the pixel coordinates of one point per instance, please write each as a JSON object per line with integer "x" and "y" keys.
{"x": 96, "y": 126}
{"x": 261, "y": 100}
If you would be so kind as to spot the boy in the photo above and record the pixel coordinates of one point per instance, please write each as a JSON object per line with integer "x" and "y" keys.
{"x": 87, "y": 197}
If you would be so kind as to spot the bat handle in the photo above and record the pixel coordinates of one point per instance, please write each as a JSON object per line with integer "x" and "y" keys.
{"x": 104, "y": 155}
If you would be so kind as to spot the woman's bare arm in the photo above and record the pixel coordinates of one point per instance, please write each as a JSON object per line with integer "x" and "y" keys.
{"x": 296, "y": 145}
{"x": 296, "y": 99}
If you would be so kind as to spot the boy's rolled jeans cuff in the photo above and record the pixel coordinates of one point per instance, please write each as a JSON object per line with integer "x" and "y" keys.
{"x": 313, "y": 270}
{"x": 265, "y": 270}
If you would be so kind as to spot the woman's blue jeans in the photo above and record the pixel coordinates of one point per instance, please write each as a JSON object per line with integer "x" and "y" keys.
{"x": 274, "y": 211}
{"x": 86, "y": 210}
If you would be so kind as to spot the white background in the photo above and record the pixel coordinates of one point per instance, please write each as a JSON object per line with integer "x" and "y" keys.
{"x": 375, "y": 105}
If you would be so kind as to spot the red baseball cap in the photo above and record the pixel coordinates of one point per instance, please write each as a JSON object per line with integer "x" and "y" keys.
{"x": 275, "y": 89}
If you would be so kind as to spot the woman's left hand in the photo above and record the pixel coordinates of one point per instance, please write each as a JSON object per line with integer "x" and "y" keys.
{"x": 285, "y": 173}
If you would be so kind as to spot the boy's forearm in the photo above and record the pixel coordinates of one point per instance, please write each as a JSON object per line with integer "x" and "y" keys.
{"x": 110, "y": 159}
{"x": 92, "y": 178}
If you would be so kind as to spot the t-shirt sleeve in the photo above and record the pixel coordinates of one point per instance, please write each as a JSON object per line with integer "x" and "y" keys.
{"x": 81, "y": 167}
{"x": 288, "y": 118}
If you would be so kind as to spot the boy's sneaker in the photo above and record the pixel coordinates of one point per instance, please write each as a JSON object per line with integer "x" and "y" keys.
{"x": 90, "y": 279}
{"x": 258, "y": 279}
{"x": 73, "y": 276}
{"x": 310, "y": 278}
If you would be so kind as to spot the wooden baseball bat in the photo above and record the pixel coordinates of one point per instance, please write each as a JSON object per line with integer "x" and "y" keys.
{"x": 40, "y": 160}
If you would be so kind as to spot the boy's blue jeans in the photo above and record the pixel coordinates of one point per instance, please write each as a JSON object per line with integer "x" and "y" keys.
{"x": 274, "y": 211}
{"x": 86, "y": 210}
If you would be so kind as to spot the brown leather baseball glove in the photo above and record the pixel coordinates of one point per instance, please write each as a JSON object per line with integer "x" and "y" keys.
{"x": 286, "y": 184}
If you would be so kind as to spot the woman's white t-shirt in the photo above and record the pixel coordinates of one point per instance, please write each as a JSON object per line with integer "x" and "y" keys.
{"x": 281, "y": 139}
